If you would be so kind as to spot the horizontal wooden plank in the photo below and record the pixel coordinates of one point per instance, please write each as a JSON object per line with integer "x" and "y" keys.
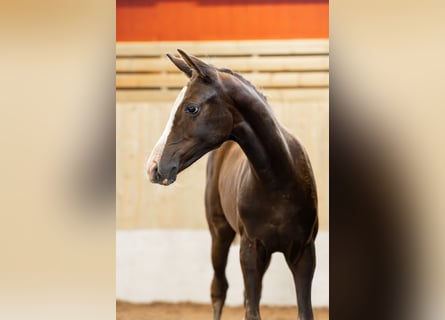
{"x": 297, "y": 95}
{"x": 271, "y": 80}
{"x": 218, "y": 48}
{"x": 239, "y": 64}
{"x": 273, "y": 95}
{"x": 150, "y": 80}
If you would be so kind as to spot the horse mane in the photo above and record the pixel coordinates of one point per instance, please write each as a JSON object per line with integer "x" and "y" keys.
{"x": 244, "y": 80}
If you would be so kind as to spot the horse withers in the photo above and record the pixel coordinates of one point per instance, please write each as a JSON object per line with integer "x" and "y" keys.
{"x": 259, "y": 179}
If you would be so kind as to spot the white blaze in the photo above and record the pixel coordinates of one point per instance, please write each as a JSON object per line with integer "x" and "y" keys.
{"x": 158, "y": 149}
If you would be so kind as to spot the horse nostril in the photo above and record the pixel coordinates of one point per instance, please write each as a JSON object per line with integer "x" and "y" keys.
{"x": 157, "y": 176}
{"x": 173, "y": 171}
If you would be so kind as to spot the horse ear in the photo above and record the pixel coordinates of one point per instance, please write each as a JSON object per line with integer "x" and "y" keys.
{"x": 204, "y": 70}
{"x": 181, "y": 65}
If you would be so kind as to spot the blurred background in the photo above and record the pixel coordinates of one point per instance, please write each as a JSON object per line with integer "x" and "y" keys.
{"x": 282, "y": 47}
{"x": 57, "y": 125}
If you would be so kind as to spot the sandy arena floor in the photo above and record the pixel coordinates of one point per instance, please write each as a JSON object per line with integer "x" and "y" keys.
{"x": 192, "y": 311}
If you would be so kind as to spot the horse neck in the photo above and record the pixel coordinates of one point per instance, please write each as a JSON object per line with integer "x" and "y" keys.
{"x": 261, "y": 137}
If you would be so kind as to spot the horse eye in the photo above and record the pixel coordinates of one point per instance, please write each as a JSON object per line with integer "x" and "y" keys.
{"x": 191, "y": 108}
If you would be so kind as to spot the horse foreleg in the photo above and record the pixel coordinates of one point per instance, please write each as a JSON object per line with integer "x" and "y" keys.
{"x": 303, "y": 266}
{"x": 221, "y": 241}
{"x": 254, "y": 262}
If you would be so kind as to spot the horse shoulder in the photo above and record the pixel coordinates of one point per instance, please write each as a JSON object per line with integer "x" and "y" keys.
{"x": 224, "y": 169}
{"x": 304, "y": 175}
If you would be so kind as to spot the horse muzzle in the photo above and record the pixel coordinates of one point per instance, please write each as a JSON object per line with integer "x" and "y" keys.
{"x": 165, "y": 177}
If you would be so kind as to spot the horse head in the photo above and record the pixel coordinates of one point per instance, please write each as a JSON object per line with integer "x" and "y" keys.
{"x": 199, "y": 121}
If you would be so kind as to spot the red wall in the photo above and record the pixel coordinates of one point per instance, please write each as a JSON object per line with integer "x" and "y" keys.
{"x": 155, "y": 20}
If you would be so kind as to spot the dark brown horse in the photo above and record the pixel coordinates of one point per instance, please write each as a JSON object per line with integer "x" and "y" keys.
{"x": 259, "y": 180}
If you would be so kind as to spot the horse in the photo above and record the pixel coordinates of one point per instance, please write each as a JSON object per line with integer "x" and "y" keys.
{"x": 259, "y": 180}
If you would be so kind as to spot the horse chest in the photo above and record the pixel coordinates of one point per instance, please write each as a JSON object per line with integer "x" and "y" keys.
{"x": 273, "y": 220}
